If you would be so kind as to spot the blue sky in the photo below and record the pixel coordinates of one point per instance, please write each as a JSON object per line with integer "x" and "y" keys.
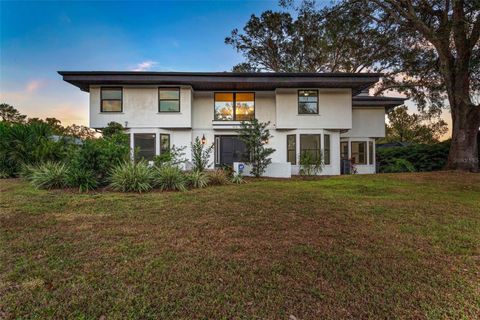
{"x": 39, "y": 38}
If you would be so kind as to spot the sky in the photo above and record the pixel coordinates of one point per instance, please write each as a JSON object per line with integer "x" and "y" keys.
{"x": 39, "y": 38}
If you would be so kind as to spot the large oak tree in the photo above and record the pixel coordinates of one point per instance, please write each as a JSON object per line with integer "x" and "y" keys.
{"x": 427, "y": 49}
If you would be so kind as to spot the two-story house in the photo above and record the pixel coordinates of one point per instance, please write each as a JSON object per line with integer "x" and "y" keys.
{"x": 319, "y": 113}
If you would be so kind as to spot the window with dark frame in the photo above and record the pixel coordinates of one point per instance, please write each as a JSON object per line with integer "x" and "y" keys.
{"x": 307, "y": 101}
{"x": 168, "y": 100}
{"x": 359, "y": 152}
{"x": 370, "y": 152}
{"x": 111, "y": 99}
{"x": 234, "y": 106}
{"x": 145, "y": 145}
{"x": 310, "y": 143}
{"x": 292, "y": 149}
{"x": 326, "y": 149}
{"x": 164, "y": 143}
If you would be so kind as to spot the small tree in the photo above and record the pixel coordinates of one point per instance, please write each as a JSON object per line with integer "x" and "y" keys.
{"x": 200, "y": 155}
{"x": 112, "y": 128}
{"x": 256, "y": 135}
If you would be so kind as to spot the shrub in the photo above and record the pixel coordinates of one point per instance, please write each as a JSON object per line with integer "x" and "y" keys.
{"x": 237, "y": 178}
{"x": 100, "y": 155}
{"x": 170, "y": 178}
{"x": 83, "y": 179}
{"x": 197, "y": 179}
{"x": 172, "y": 158}
{"x": 27, "y": 143}
{"x": 310, "y": 165}
{"x": 131, "y": 177}
{"x": 399, "y": 165}
{"x": 218, "y": 177}
{"x": 200, "y": 155}
{"x": 423, "y": 157}
{"x": 49, "y": 175}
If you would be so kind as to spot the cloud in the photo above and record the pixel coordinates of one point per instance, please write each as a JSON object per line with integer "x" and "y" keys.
{"x": 34, "y": 85}
{"x": 144, "y": 66}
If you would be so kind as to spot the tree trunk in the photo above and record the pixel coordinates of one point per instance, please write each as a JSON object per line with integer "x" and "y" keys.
{"x": 463, "y": 154}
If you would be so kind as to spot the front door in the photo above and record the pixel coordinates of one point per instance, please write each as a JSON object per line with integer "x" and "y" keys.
{"x": 231, "y": 149}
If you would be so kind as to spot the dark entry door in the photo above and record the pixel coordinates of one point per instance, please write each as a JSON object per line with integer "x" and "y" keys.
{"x": 232, "y": 149}
{"x": 344, "y": 162}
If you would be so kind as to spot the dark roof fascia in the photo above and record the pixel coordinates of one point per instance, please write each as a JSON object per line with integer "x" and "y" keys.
{"x": 208, "y": 81}
{"x": 381, "y": 102}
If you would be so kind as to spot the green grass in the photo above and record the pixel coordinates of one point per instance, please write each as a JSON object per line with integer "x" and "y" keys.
{"x": 383, "y": 246}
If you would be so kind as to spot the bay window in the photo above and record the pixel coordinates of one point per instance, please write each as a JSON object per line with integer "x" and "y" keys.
{"x": 311, "y": 144}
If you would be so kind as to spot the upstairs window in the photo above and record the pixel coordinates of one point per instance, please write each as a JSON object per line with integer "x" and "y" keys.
{"x": 307, "y": 101}
{"x": 168, "y": 100}
{"x": 111, "y": 100}
{"x": 238, "y": 106}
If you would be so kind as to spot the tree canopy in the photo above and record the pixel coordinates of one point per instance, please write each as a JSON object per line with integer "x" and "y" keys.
{"x": 427, "y": 50}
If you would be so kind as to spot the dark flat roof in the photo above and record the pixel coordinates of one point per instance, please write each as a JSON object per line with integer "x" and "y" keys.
{"x": 377, "y": 101}
{"x": 209, "y": 81}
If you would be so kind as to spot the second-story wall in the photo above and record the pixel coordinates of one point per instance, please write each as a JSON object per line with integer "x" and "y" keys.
{"x": 367, "y": 122}
{"x": 334, "y": 110}
{"x": 140, "y": 109}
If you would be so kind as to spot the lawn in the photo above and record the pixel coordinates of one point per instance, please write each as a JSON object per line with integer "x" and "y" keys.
{"x": 382, "y": 246}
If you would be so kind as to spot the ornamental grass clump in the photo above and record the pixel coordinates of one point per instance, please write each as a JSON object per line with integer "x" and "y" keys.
{"x": 218, "y": 177}
{"x": 170, "y": 178}
{"x": 82, "y": 179}
{"x": 198, "y": 179}
{"x": 132, "y": 177}
{"x": 237, "y": 178}
{"x": 49, "y": 175}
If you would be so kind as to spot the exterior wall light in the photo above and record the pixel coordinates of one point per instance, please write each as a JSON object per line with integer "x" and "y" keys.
{"x": 204, "y": 140}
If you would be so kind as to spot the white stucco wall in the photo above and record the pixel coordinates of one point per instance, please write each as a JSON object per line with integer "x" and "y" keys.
{"x": 334, "y": 110}
{"x": 140, "y": 109}
{"x": 367, "y": 122}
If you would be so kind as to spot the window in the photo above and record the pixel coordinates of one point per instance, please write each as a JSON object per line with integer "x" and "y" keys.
{"x": 307, "y": 101}
{"x": 168, "y": 100}
{"x": 370, "y": 152}
{"x": 164, "y": 143}
{"x": 111, "y": 100}
{"x": 292, "y": 149}
{"x": 359, "y": 152}
{"x": 310, "y": 143}
{"x": 238, "y": 106}
{"x": 144, "y": 144}
{"x": 326, "y": 148}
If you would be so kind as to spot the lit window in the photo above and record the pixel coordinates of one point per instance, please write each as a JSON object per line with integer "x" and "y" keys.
{"x": 307, "y": 101}
{"x": 359, "y": 152}
{"x": 111, "y": 100}
{"x": 234, "y": 106}
{"x": 169, "y": 100}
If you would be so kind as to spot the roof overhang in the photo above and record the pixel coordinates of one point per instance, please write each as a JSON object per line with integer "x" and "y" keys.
{"x": 377, "y": 101}
{"x": 209, "y": 81}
